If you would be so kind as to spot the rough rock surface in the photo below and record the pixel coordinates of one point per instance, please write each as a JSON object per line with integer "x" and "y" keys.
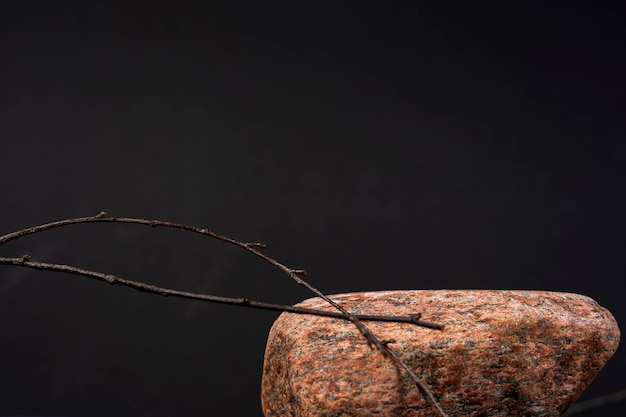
{"x": 502, "y": 353}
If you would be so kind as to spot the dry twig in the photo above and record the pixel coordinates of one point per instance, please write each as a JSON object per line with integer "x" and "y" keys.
{"x": 252, "y": 247}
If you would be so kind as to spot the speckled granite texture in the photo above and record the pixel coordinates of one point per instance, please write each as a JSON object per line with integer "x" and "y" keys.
{"x": 502, "y": 353}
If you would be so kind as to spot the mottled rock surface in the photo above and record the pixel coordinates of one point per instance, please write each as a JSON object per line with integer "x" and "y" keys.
{"x": 502, "y": 353}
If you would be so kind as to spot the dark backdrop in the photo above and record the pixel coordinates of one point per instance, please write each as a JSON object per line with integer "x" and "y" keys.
{"x": 379, "y": 146}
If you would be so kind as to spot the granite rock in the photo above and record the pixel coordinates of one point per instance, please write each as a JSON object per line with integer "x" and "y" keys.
{"x": 502, "y": 353}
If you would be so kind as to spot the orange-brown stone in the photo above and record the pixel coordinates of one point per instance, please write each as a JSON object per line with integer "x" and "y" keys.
{"x": 502, "y": 353}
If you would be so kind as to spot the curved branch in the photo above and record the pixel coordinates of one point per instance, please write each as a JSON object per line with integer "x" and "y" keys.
{"x": 252, "y": 247}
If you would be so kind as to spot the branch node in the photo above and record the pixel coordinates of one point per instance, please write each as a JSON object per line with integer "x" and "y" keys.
{"x": 111, "y": 279}
{"x": 245, "y": 301}
{"x": 25, "y": 258}
{"x": 100, "y": 215}
{"x": 415, "y": 317}
{"x": 299, "y": 272}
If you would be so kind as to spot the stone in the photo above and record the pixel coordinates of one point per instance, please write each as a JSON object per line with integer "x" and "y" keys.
{"x": 501, "y": 353}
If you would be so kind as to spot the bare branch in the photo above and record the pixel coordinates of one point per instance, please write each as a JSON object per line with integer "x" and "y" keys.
{"x": 25, "y": 261}
{"x": 252, "y": 247}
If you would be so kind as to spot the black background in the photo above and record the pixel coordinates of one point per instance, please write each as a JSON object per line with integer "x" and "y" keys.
{"x": 389, "y": 145}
